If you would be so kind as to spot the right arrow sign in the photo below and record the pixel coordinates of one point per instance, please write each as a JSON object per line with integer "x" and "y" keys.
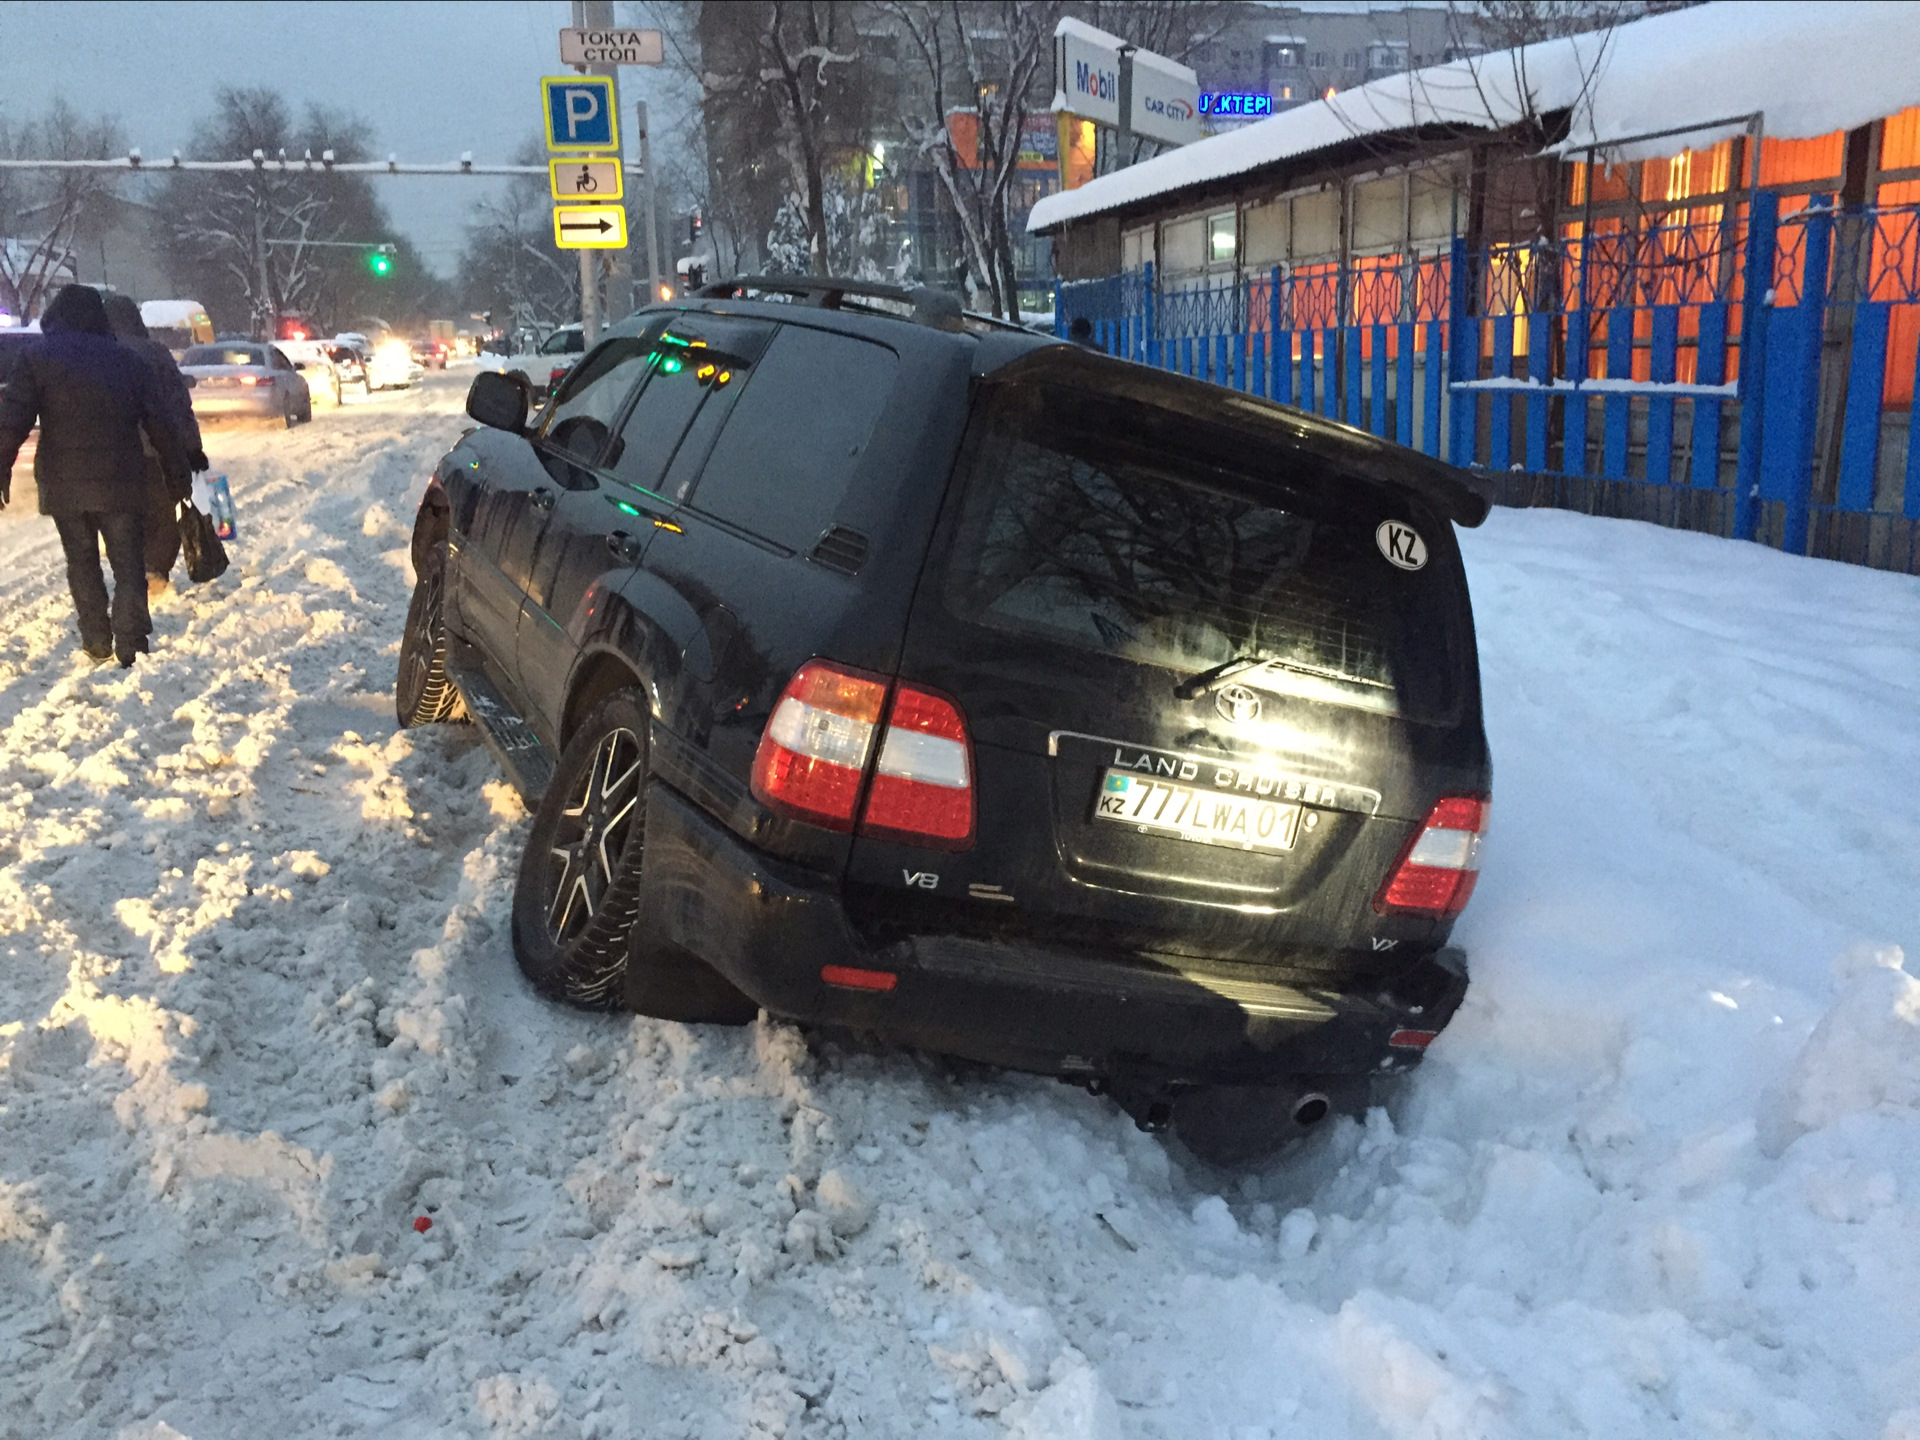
{"x": 589, "y": 227}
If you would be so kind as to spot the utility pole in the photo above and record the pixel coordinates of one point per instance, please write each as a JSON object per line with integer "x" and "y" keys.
{"x": 1123, "y": 142}
{"x": 587, "y": 15}
{"x": 653, "y": 222}
{"x": 265, "y": 312}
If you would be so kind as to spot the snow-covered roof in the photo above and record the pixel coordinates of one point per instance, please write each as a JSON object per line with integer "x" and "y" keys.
{"x": 170, "y": 312}
{"x": 1810, "y": 68}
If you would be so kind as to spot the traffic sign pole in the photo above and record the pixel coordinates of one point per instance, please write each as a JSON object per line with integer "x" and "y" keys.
{"x": 595, "y": 14}
{"x": 653, "y": 223}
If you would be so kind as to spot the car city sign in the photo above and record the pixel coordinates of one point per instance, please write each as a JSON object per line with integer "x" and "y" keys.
{"x": 611, "y": 47}
{"x": 1166, "y": 96}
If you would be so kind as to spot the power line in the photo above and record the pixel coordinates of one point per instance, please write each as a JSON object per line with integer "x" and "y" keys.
{"x": 306, "y": 164}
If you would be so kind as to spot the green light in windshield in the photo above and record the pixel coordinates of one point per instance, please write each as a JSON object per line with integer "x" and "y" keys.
{"x": 624, "y": 508}
{"x": 672, "y": 365}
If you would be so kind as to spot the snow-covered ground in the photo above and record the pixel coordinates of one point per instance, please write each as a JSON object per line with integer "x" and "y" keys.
{"x": 258, "y": 1017}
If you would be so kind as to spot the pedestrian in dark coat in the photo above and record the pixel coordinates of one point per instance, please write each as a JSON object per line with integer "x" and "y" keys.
{"x": 165, "y": 491}
{"x": 92, "y": 397}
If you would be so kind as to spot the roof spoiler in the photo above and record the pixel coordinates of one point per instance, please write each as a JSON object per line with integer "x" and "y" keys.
{"x": 1462, "y": 496}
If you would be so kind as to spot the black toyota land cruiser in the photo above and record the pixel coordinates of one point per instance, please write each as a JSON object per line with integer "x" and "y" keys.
{"x": 899, "y": 671}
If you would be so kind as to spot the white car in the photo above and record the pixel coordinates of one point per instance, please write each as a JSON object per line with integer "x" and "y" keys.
{"x": 389, "y": 360}
{"x": 242, "y": 378}
{"x": 315, "y": 364}
{"x": 543, "y": 366}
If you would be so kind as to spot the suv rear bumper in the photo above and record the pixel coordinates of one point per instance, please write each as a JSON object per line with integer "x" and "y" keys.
{"x": 770, "y": 929}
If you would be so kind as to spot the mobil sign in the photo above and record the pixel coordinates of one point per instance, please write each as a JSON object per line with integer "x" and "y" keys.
{"x": 1086, "y": 69}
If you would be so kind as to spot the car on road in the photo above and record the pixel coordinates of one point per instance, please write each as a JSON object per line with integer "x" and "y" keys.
{"x": 351, "y": 366}
{"x": 314, "y": 360}
{"x": 246, "y": 379}
{"x": 547, "y": 363}
{"x": 388, "y": 362}
{"x": 911, "y": 674}
{"x": 432, "y": 354}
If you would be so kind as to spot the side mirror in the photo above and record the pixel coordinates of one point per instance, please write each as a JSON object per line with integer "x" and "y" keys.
{"x": 500, "y": 401}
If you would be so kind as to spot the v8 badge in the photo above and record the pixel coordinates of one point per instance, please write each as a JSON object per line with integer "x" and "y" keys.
{"x": 1401, "y": 544}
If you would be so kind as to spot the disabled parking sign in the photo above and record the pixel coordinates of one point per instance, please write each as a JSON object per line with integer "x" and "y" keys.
{"x": 580, "y": 112}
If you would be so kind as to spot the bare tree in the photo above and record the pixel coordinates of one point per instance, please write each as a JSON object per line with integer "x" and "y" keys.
{"x": 986, "y": 64}
{"x": 784, "y": 76}
{"x": 246, "y": 240}
{"x": 509, "y": 267}
{"x": 41, "y": 211}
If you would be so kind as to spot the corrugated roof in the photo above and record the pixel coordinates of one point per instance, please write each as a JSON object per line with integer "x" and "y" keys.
{"x": 1811, "y": 68}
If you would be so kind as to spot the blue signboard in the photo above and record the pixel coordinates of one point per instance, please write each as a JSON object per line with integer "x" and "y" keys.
{"x": 1235, "y": 103}
{"x": 580, "y": 113}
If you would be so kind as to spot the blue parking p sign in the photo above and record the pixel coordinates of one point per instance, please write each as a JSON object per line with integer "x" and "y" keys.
{"x": 580, "y": 113}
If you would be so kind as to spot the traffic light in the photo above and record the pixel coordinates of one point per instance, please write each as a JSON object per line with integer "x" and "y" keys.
{"x": 380, "y": 261}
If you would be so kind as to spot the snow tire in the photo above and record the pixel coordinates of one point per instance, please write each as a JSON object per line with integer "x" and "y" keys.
{"x": 423, "y": 691}
{"x": 578, "y": 895}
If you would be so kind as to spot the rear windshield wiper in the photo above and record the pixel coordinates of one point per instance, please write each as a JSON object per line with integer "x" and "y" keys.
{"x": 1194, "y": 686}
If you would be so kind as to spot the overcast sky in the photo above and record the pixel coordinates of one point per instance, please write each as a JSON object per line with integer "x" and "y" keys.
{"x": 433, "y": 79}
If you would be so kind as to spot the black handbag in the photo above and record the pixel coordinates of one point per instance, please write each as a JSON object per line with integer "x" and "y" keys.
{"x": 200, "y": 545}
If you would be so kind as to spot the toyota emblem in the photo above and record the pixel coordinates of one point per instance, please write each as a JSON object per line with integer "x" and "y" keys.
{"x": 1236, "y": 703}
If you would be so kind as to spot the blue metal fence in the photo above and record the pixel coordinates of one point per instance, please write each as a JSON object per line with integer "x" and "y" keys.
{"x": 1750, "y": 375}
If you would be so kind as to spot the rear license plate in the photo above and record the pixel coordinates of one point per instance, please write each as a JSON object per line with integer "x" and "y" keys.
{"x": 1158, "y": 807}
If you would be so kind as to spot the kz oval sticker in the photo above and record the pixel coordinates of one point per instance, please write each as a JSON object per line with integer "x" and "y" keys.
{"x": 1401, "y": 544}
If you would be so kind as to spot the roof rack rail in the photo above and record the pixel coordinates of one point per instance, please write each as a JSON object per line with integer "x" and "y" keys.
{"x": 935, "y": 308}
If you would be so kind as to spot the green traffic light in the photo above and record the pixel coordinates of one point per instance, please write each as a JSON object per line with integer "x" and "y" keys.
{"x": 380, "y": 263}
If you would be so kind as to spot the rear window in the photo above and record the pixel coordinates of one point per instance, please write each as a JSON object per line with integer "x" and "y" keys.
{"x": 796, "y": 435}
{"x": 223, "y": 355}
{"x": 1140, "y": 533}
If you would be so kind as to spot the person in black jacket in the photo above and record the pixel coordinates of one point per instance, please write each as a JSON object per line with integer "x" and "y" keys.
{"x": 91, "y": 396}
{"x": 165, "y": 491}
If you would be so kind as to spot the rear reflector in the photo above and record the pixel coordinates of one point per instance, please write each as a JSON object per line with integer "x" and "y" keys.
{"x": 847, "y": 977}
{"x": 1436, "y": 872}
{"x": 1412, "y": 1039}
{"x": 813, "y": 758}
{"x": 813, "y": 754}
{"x": 923, "y": 786}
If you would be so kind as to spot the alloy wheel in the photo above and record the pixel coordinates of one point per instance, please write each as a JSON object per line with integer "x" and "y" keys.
{"x": 593, "y": 833}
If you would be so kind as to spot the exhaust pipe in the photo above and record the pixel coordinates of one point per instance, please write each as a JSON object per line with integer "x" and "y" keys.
{"x": 1310, "y": 1109}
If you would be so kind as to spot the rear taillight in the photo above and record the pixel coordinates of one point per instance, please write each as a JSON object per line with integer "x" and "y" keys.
{"x": 813, "y": 754}
{"x": 1437, "y": 871}
{"x": 813, "y": 758}
{"x": 923, "y": 784}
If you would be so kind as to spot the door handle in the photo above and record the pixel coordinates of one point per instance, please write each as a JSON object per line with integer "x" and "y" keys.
{"x": 623, "y": 547}
{"x": 541, "y": 499}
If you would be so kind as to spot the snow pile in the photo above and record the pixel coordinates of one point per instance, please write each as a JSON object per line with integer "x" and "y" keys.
{"x": 1811, "y": 69}
{"x": 259, "y": 1022}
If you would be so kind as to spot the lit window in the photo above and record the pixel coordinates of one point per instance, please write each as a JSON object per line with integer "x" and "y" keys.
{"x": 1221, "y": 234}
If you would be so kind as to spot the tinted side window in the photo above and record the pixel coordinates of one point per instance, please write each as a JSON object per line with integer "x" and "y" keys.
{"x": 654, "y": 426}
{"x": 796, "y": 435}
{"x": 582, "y": 415}
{"x": 700, "y": 363}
